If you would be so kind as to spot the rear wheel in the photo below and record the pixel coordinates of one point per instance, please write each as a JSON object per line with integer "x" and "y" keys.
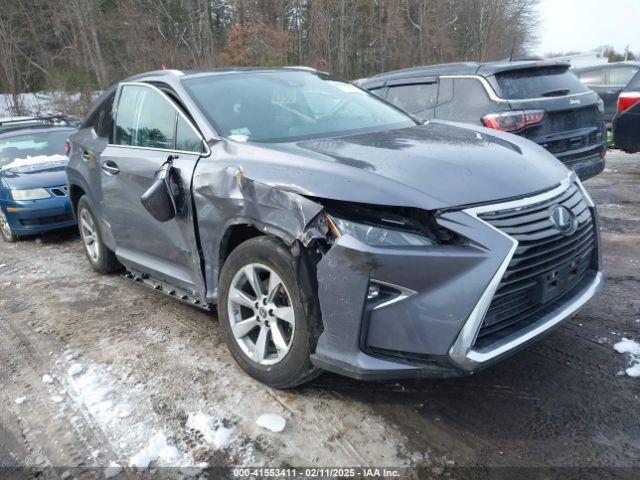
{"x": 101, "y": 258}
{"x": 262, "y": 315}
{"x": 5, "y": 229}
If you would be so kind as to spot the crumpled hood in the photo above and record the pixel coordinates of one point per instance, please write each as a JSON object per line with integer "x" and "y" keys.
{"x": 436, "y": 165}
{"x": 47, "y": 174}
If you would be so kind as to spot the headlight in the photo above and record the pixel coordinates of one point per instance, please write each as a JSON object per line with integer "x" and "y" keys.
{"x": 377, "y": 236}
{"x": 31, "y": 194}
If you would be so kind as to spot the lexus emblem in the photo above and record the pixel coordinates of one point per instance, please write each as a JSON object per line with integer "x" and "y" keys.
{"x": 563, "y": 219}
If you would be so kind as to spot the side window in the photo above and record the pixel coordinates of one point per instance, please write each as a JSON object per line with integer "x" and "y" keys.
{"x": 464, "y": 101}
{"x": 445, "y": 91}
{"x": 105, "y": 121}
{"x": 144, "y": 118}
{"x": 471, "y": 93}
{"x": 593, "y": 77}
{"x": 379, "y": 92}
{"x": 92, "y": 120}
{"x": 186, "y": 138}
{"x": 620, "y": 76}
{"x": 414, "y": 98}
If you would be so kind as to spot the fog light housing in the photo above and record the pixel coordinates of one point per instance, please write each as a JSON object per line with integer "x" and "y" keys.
{"x": 382, "y": 294}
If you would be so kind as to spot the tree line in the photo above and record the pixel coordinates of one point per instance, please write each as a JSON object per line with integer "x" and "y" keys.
{"x": 86, "y": 45}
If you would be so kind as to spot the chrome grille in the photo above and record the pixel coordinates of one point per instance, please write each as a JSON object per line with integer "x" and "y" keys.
{"x": 547, "y": 264}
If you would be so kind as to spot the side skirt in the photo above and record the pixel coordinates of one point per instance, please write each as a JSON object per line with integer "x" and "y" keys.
{"x": 168, "y": 290}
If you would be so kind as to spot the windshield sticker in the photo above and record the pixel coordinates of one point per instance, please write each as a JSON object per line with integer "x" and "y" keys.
{"x": 283, "y": 96}
{"x": 240, "y": 134}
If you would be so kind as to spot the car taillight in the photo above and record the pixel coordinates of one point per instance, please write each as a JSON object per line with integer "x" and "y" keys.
{"x": 627, "y": 100}
{"x": 512, "y": 121}
{"x": 67, "y": 147}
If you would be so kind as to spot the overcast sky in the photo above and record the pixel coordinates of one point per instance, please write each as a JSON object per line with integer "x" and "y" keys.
{"x": 583, "y": 25}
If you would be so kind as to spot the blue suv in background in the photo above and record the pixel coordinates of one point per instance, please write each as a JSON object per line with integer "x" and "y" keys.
{"x": 33, "y": 192}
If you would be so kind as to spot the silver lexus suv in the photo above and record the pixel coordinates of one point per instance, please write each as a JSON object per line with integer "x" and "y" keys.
{"x": 332, "y": 230}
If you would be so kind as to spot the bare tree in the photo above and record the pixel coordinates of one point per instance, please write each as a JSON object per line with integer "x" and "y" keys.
{"x": 85, "y": 45}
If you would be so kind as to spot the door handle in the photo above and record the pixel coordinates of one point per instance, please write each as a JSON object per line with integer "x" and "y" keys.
{"x": 86, "y": 155}
{"x": 110, "y": 167}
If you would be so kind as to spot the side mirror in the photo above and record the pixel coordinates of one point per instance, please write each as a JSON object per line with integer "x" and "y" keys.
{"x": 158, "y": 200}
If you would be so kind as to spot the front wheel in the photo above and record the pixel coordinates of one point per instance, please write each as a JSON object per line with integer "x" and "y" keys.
{"x": 262, "y": 316}
{"x": 5, "y": 229}
{"x": 101, "y": 258}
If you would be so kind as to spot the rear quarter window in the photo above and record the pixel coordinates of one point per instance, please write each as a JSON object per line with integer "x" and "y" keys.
{"x": 620, "y": 76}
{"x": 538, "y": 82}
{"x": 593, "y": 77}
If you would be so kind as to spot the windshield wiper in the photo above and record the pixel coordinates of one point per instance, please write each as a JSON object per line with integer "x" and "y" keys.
{"x": 560, "y": 92}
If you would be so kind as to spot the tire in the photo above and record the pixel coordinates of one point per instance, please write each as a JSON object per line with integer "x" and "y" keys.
{"x": 5, "y": 230}
{"x": 278, "y": 369}
{"x": 100, "y": 257}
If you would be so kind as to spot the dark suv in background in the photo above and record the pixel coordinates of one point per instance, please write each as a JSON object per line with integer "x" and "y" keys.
{"x": 608, "y": 81}
{"x": 626, "y": 123}
{"x": 542, "y": 101}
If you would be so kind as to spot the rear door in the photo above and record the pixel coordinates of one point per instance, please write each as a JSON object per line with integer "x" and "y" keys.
{"x": 149, "y": 128}
{"x": 573, "y": 126}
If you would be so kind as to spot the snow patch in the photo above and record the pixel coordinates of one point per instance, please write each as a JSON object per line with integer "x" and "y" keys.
{"x": 112, "y": 470}
{"x": 35, "y": 160}
{"x": 160, "y": 452}
{"x": 631, "y": 348}
{"x": 47, "y": 379}
{"x": 218, "y": 436}
{"x": 20, "y": 400}
{"x": 75, "y": 369}
{"x": 271, "y": 421}
{"x": 122, "y": 411}
{"x": 57, "y": 398}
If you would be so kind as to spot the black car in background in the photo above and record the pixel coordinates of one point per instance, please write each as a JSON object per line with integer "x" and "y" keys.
{"x": 542, "y": 101}
{"x": 608, "y": 81}
{"x": 626, "y": 123}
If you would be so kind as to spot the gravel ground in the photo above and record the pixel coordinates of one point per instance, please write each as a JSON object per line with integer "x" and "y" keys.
{"x": 93, "y": 367}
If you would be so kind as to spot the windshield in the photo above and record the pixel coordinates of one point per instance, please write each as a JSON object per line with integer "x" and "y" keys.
{"x": 285, "y": 106}
{"x": 539, "y": 82}
{"x": 45, "y": 144}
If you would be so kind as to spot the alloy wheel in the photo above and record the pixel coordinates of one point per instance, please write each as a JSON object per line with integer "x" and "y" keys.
{"x": 4, "y": 226}
{"x": 89, "y": 234}
{"x": 261, "y": 314}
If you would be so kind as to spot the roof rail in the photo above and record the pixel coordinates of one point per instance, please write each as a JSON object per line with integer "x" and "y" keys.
{"x": 50, "y": 119}
{"x": 301, "y": 67}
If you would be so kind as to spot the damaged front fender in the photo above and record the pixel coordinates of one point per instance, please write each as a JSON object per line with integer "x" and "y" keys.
{"x": 224, "y": 197}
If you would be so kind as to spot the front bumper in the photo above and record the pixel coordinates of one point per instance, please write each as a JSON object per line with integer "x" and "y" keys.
{"x": 431, "y": 333}
{"x": 38, "y": 216}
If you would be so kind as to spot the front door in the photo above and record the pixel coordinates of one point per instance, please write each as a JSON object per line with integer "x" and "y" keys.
{"x": 148, "y": 129}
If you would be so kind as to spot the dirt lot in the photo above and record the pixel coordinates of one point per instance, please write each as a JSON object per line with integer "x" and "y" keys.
{"x": 92, "y": 367}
